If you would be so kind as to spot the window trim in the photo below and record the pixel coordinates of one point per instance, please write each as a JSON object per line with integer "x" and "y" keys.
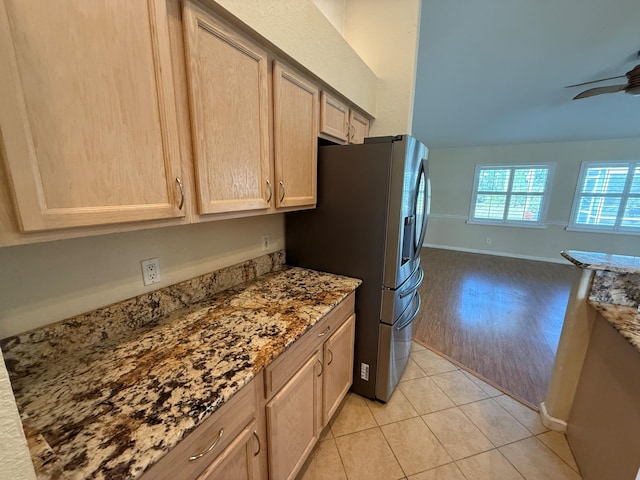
{"x": 546, "y": 194}
{"x": 624, "y": 196}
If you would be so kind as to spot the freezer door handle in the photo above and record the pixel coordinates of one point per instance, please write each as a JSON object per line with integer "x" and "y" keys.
{"x": 414, "y": 287}
{"x": 405, "y": 323}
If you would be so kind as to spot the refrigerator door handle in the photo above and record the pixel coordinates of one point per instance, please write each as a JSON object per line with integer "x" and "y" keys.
{"x": 426, "y": 206}
{"x": 407, "y": 322}
{"x": 414, "y": 287}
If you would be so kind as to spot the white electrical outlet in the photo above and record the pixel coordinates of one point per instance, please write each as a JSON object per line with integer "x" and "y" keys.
{"x": 364, "y": 371}
{"x": 266, "y": 240}
{"x": 150, "y": 271}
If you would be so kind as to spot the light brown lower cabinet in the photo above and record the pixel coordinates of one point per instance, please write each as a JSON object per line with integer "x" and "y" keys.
{"x": 269, "y": 428}
{"x": 239, "y": 461}
{"x": 293, "y": 424}
{"x": 338, "y": 368}
{"x": 225, "y": 442}
{"x": 297, "y": 412}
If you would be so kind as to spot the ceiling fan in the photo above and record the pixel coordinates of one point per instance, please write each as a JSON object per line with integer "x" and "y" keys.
{"x": 632, "y": 86}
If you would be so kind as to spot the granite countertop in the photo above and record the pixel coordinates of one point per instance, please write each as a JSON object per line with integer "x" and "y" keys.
{"x": 603, "y": 261}
{"x": 614, "y": 289}
{"x": 111, "y": 408}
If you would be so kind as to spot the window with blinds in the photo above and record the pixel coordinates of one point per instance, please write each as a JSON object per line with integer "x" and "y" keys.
{"x": 607, "y": 197}
{"x": 510, "y": 195}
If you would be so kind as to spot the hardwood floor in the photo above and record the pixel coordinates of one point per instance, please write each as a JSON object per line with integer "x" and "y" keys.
{"x": 495, "y": 316}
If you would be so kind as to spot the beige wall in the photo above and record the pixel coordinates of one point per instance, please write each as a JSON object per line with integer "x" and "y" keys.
{"x": 44, "y": 283}
{"x": 334, "y": 11}
{"x": 382, "y": 35}
{"x": 452, "y": 173}
{"x": 300, "y": 29}
{"x": 385, "y": 34}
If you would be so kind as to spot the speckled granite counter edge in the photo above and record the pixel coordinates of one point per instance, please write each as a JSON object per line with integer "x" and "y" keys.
{"x": 615, "y": 289}
{"x": 603, "y": 261}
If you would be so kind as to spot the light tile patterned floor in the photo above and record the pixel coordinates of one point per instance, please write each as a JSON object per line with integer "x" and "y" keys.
{"x": 441, "y": 423}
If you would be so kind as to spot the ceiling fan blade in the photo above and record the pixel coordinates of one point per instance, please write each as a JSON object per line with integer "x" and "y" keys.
{"x": 600, "y": 90}
{"x": 594, "y": 81}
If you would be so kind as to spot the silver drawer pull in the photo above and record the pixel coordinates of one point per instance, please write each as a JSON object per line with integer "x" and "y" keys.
{"x": 179, "y": 182}
{"x": 213, "y": 445}
{"x": 325, "y": 332}
{"x": 270, "y": 191}
{"x": 255, "y": 434}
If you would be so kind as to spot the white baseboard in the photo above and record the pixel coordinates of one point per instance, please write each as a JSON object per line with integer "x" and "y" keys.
{"x": 552, "y": 423}
{"x": 498, "y": 254}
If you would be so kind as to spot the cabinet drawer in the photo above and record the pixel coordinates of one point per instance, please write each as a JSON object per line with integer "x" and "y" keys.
{"x": 285, "y": 366}
{"x": 223, "y": 426}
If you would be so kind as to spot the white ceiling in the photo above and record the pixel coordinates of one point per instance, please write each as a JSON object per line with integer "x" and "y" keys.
{"x": 492, "y": 72}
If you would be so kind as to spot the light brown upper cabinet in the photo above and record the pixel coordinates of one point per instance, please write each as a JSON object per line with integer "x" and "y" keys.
{"x": 295, "y": 137}
{"x": 87, "y": 112}
{"x": 334, "y": 117}
{"x": 358, "y": 127}
{"x": 229, "y": 103}
{"x": 340, "y": 122}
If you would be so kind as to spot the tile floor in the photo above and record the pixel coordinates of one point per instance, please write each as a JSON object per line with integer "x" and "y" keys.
{"x": 441, "y": 423}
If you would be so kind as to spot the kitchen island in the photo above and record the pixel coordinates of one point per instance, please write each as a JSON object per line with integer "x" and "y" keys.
{"x": 109, "y": 393}
{"x": 594, "y": 392}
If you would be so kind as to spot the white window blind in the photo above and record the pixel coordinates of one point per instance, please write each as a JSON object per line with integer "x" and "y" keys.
{"x": 510, "y": 195}
{"x": 607, "y": 197}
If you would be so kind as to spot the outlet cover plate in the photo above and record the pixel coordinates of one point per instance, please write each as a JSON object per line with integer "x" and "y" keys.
{"x": 150, "y": 271}
{"x": 266, "y": 240}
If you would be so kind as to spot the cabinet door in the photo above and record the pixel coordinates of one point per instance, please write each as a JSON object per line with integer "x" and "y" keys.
{"x": 334, "y": 117}
{"x": 295, "y": 103}
{"x": 240, "y": 459}
{"x": 338, "y": 368}
{"x": 88, "y": 112}
{"x": 293, "y": 420}
{"x": 229, "y": 102}
{"x": 359, "y": 127}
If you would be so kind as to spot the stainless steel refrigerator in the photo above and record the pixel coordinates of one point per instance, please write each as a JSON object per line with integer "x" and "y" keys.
{"x": 370, "y": 222}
